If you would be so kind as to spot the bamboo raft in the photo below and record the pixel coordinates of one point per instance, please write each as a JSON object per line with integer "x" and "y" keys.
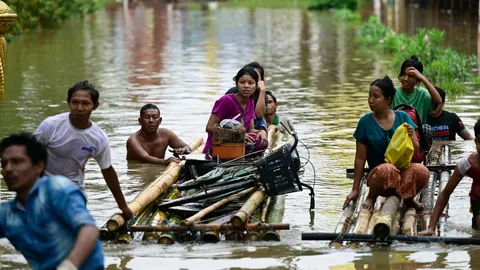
{"x": 174, "y": 209}
{"x": 390, "y": 219}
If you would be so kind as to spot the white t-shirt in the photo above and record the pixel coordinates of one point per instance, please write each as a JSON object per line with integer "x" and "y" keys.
{"x": 69, "y": 148}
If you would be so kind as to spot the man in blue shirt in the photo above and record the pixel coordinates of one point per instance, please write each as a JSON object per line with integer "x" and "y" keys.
{"x": 48, "y": 220}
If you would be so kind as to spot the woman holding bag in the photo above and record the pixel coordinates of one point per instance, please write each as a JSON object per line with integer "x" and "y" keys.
{"x": 373, "y": 134}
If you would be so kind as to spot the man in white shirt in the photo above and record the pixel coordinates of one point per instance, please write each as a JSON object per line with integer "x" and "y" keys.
{"x": 71, "y": 139}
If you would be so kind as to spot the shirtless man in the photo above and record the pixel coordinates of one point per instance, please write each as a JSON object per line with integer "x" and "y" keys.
{"x": 150, "y": 142}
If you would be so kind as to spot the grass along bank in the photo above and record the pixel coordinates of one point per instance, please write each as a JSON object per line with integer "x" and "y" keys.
{"x": 444, "y": 67}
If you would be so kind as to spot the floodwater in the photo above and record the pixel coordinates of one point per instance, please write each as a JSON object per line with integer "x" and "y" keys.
{"x": 183, "y": 60}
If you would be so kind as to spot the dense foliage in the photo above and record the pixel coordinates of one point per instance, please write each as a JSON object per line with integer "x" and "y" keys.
{"x": 444, "y": 67}
{"x": 46, "y": 13}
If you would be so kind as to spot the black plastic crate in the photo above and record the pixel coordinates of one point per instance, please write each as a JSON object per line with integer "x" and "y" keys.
{"x": 278, "y": 172}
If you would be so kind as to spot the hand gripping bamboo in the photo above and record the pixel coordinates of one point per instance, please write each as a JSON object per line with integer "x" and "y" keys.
{"x": 151, "y": 193}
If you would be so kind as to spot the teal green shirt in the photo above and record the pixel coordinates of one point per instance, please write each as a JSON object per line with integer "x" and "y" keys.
{"x": 376, "y": 138}
{"x": 420, "y": 99}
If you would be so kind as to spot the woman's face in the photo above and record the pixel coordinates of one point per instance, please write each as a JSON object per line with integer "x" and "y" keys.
{"x": 376, "y": 99}
{"x": 246, "y": 85}
{"x": 408, "y": 79}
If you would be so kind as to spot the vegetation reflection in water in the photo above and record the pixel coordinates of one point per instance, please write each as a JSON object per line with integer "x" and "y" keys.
{"x": 183, "y": 60}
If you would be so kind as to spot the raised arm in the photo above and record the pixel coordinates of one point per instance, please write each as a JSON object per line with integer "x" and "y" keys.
{"x": 436, "y": 99}
{"x": 111, "y": 178}
{"x": 360, "y": 159}
{"x": 260, "y": 107}
{"x": 135, "y": 149}
{"x": 442, "y": 201}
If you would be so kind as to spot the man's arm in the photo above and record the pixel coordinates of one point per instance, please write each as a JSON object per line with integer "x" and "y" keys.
{"x": 111, "y": 179}
{"x": 179, "y": 146}
{"x": 135, "y": 149}
{"x": 68, "y": 204}
{"x": 460, "y": 128}
{"x": 84, "y": 244}
{"x": 442, "y": 201}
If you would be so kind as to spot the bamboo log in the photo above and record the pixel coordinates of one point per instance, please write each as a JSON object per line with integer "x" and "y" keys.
{"x": 383, "y": 226}
{"x": 409, "y": 227}
{"x": 397, "y": 219}
{"x": 346, "y": 222}
{"x": 160, "y": 185}
{"x": 167, "y": 237}
{"x": 318, "y": 236}
{"x": 200, "y": 227}
{"x": 158, "y": 218}
{"x": 265, "y": 209}
{"x": 212, "y": 235}
{"x": 214, "y": 207}
{"x": 275, "y": 215}
{"x": 428, "y": 201}
{"x": 253, "y": 236}
{"x": 376, "y": 213}
{"x": 239, "y": 219}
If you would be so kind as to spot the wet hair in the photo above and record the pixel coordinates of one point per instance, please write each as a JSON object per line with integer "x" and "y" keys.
{"x": 257, "y": 65}
{"x": 476, "y": 128}
{"x": 412, "y": 62}
{"x": 85, "y": 86}
{"x": 441, "y": 93}
{"x": 386, "y": 85}
{"x": 268, "y": 92}
{"x": 35, "y": 150}
{"x": 246, "y": 70}
{"x": 149, "y": 106}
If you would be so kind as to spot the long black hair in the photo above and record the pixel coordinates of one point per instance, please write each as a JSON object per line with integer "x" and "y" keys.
{"x": 246, "y": 70}
{"x": 386, "y": 85}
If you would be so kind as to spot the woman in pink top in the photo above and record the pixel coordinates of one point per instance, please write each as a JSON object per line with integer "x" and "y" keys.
{"x": 229, "y": 106}
{"x": 469, "y": 166}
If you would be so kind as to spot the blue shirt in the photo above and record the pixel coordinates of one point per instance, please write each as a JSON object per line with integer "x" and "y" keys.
{"x": 376, "y": 138}
{"x": 45, "y": 230}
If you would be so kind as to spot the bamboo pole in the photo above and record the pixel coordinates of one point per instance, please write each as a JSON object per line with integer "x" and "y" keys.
{"x": 166, "y": 237}
{"x": 265, "y": 209}
{"x": 211, "y": 235}
{"x": 239, "y": 219}
{"x": 275, "y": 215}
{"x": 213, "y": 207}
{"x": 397, "y": 219}
{"x": 160, "y": 185}
{"x": 376, "y": 213}
{"x": 157, "y": 219}
{"x": 383, "y": 226}
{"x": 428, "y": 201}
{"x": 409, "y": 227}
{"x": 200, "y": 227}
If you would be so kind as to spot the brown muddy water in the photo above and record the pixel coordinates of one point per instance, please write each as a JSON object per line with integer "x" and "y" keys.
{"x": 183, "y": 60}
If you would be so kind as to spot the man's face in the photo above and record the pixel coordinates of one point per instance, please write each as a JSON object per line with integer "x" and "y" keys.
{"x": 81, "y": 105}
{"x": 150, "y": 120}
{"x": 271, "y": 106}
{"x": 17, "y": 168}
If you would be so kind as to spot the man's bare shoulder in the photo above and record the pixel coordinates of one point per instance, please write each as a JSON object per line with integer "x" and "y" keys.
{"x": 135, "y": 137}
{"x": 165, "y": 132}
